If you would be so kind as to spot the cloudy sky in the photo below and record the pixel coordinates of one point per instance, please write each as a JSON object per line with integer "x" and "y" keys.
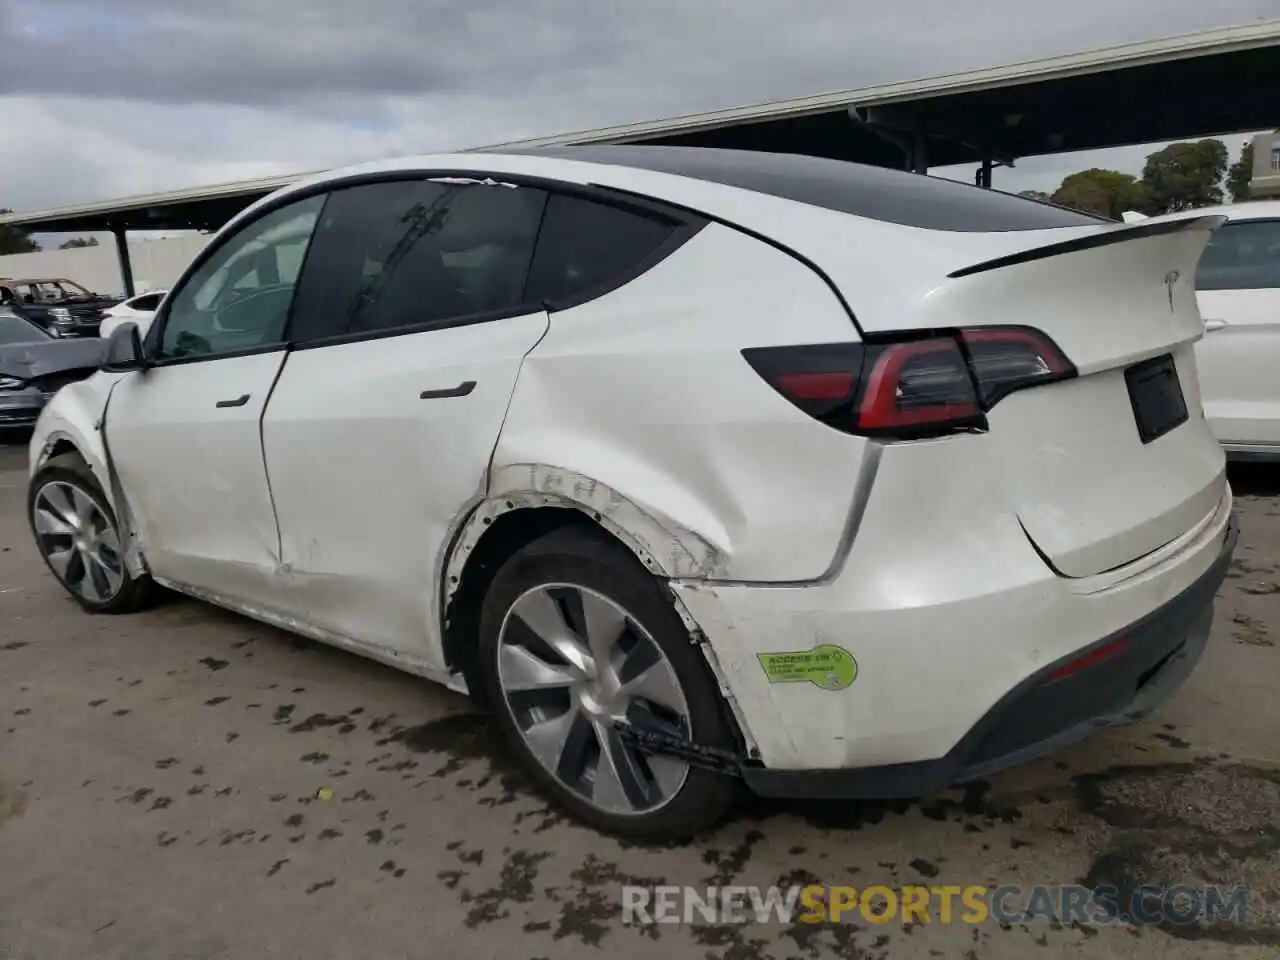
{"x": 105, "y": 98}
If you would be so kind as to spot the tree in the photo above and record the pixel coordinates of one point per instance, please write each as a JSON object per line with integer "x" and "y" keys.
{"x": 76, "y": 243}
{"x": 1039, "y": 195}
{"x": 1240, "y": 174}
{"x": 1184, "y": 176}
{"x": 1107, "y": 193}
{"x": 13, "y": 240}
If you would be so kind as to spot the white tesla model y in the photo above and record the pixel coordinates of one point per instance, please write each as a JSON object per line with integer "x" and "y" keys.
{"x": 698, "y": 467}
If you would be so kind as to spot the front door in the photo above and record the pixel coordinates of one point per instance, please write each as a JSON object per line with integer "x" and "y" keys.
{"x": 185, "y": 435}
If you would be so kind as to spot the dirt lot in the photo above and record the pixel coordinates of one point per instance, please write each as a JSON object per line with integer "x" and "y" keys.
{"x": 159, "y": 780}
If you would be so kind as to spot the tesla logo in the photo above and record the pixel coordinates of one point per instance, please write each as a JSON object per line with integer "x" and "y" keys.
{"x": 1170, "y": 279}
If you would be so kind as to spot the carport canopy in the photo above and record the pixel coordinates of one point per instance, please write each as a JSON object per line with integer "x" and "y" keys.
{"x": 1209, "y": 83}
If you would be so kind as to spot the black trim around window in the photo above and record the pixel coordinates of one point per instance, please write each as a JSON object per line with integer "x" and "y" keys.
{"x": 685, "y": 223}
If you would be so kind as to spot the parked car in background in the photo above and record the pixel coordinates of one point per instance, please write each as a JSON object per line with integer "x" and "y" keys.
{"x": 34, "y": 365}
{"x": 61, "y": 306}
{"x": 138, "y": 309}
{"x": 696, "y": 466}
{"x": 1238, "y": 286}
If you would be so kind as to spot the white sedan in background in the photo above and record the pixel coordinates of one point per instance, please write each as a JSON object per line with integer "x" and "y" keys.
{"x": 695, "y": 466}
{"x": 137, "y": 309}
{"x": 1238, "y": 286}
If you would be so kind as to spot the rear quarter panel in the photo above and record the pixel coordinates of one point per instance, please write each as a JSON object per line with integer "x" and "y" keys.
{"x": 638, "y": 405}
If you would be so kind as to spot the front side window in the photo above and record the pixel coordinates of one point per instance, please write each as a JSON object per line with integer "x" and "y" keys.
{"x": 409, "y": 254}
{"x": 1244, "y": 255}
{"x": 239, "y": 297}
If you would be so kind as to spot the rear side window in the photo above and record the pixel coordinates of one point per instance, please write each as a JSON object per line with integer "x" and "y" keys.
{"x": 585, "y": 246}
{"x": 1244, "y": 255}
{"x": 416, "y": 253}
{"x": 865, "y": 191}
{"x": 147, "y": 302}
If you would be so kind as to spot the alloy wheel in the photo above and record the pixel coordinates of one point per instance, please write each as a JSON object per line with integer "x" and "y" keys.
{"x": 572, "y": 664}
{"x": 79, "y": 541}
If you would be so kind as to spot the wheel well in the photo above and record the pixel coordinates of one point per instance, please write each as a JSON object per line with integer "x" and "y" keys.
{"x": 63, "y": 447}
{"x": 507, "y": 534}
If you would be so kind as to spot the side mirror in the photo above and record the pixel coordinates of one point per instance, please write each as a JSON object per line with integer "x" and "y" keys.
{"x": 124, "y": 350}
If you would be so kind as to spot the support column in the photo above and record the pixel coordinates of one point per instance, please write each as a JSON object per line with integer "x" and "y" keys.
{"x": 983, "y": 178}
{"x": 122, "y": 253}
{"x": 919, "y": 149}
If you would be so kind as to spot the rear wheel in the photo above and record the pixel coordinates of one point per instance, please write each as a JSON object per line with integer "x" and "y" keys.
{"x": 78, "y": 536}
{"x": 576, "y": 637}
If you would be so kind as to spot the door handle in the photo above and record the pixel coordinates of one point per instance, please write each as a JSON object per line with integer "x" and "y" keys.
{"x": 461, "y": 390}
{"x": 238, "y": 402}
{"x": 1214, "y": 324}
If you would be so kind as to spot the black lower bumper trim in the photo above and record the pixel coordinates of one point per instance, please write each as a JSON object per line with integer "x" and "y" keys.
{"x": 1144, "y": 664}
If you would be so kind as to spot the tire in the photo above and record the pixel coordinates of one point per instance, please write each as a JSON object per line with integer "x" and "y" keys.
{"x": 68, "y": 480}
{"x": 609, "y": 582}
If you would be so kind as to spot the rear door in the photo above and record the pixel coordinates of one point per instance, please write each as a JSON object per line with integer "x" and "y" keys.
{"x": 408, "y": 333}
{"x": 1238, "y": 285}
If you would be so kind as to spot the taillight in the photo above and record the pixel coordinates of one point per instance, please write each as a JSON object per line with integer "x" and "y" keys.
{"x": 1005, "y": 359}
{"x": 911, "y": 388}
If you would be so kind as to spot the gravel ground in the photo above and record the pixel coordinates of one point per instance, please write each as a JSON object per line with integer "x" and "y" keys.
{"x": 189, "y": 784}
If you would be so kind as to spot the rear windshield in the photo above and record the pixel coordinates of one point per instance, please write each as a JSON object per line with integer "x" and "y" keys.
{"x": 873, "y": 192}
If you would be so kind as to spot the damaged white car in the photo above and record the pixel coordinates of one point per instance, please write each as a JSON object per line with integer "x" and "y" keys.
{"x": 700, "y": 468}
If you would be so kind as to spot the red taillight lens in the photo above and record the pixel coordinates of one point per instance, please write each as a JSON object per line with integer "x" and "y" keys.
{"x": 923, "y": 384}
{"x": 910, "y": 388}
{"x": 1005, "y": 359}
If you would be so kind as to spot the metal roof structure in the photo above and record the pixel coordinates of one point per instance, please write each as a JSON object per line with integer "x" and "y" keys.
{"x": 1200, "y": 84}
{"x": 1260, "y": 39}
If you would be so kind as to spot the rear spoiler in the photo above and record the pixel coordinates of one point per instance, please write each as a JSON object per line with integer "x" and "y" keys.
{"x": 1105, "y": 238}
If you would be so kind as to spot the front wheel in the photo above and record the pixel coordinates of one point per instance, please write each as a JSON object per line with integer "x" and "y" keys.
{"x": 78, "y": 536}
{"x": 576, "y": 637}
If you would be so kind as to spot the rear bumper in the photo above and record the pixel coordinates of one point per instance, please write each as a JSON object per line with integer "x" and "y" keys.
{"x": 1138, "y": 668}
{"x": 942, "y": 627}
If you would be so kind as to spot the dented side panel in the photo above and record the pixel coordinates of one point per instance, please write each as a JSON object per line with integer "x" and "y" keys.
{"x": 376, "y": 451}
{"x": 74, "y": 415}
{"x": 697, "y": 459}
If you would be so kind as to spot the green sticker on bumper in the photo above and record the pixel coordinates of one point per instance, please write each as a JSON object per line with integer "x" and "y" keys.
{"x": 827, "y": 667}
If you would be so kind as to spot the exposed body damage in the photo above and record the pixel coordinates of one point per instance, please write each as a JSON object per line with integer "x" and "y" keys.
{"x": 73, "y": 419}
{"x": 664, "y": 548}
{"x": 659, "y": 543}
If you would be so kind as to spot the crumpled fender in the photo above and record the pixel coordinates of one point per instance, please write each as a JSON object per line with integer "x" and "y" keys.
{"x": 662, "y": 544}
{"x": 74, "y": 416}
{"x": 666, "y": 547}
{"x": 77, "y": 416}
